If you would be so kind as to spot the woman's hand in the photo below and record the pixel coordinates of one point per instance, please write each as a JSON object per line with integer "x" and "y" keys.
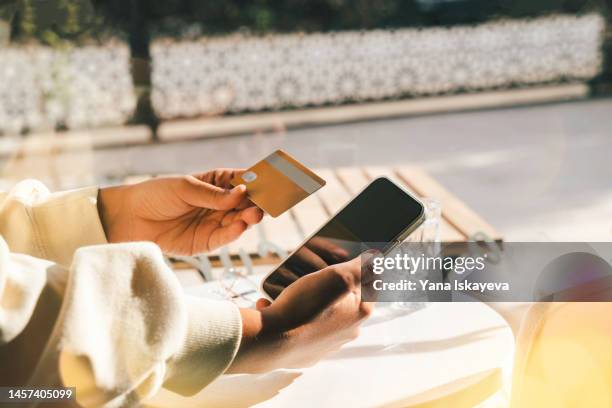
{"x": 316, "y": 254}
{"x": 311, "y": 317}
{"x": 183, "y": 215}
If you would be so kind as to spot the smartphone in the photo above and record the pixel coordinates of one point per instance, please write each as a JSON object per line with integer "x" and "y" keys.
{"x": 380, "y": 217}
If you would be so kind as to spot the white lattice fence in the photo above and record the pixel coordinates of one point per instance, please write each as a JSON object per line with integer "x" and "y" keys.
{"x": 237, "y": 73}
{"x": 41, "y": 87}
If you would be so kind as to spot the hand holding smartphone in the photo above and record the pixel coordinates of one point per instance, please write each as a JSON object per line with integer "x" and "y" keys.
{"x": 317, "y": 289}
{"x": 380, "y": 217}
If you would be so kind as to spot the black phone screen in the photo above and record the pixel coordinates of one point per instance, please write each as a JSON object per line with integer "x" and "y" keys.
{"x": 373, "y": 219}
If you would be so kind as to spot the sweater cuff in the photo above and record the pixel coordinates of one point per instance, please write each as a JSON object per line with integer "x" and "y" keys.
{"x": 213, "y": 338}
{"x": 67, "y": 221}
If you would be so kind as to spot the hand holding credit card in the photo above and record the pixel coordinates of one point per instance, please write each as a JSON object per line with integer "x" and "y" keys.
{"x": 278, "y": 182}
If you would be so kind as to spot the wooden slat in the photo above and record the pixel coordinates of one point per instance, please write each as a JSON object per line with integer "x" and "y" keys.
{"x": 282, "y": 231}
{"x": 247, "y": 241}
{"x": 310, "y": 215}
{"x": 232, "y": 247}
{"x": 334, "y": 195}
{"x": 373, "y": 172}
{"x": 455, "y": 211}
{"x": 448, "y": 233}
{"x": 352, "y": 178}
{"x": 188, "y": 277}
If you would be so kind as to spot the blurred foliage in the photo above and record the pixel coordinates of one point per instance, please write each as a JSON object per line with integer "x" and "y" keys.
{"x": 54, "y": 21}
{"x": 261, "y": 16}
{"x": 192, "y": 18}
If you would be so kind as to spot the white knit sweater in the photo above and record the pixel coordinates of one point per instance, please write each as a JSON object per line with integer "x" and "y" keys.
{"x": 108, "y": 319}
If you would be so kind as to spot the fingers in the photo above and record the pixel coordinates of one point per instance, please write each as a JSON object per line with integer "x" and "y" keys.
{"x": 359, "y": 270}
{"x": 273, "y": 289}
{"x": 225, "y": 234}
{"x": 351, "y": 270}
{"x": 202, "y": 189}
{"x": 250, "y": 216}
{"x": 305, "y": 299}
{"x": 328, "y": 250}
{"x": 205, "y": 195}
{"x": 245, "y": 203}
{"x": 219, "y": 177}
{"x": 366, "y": 309}
{"x": 221, "y": 228}
{"x": 284, "y": 276}
{"x": 331, "y": 284}
{"x": 306, "y": 261}
{"x": 328, "y": 246}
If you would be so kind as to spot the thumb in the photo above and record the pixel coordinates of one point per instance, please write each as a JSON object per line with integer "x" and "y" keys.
{"x": 205, "y": 195}
{"x": 262, "y": 303}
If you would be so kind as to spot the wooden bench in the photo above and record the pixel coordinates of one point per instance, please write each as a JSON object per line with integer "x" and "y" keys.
{"x": 268, "y": 242}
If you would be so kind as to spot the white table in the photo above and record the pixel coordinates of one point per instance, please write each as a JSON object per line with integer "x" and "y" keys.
{"x": 446, "y": 354}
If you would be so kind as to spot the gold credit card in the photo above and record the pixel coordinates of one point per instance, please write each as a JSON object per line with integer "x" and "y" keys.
{"x": 278, "y": 182}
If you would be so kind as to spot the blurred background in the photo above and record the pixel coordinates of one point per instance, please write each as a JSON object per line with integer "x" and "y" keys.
{"x": 505, "y": 103}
